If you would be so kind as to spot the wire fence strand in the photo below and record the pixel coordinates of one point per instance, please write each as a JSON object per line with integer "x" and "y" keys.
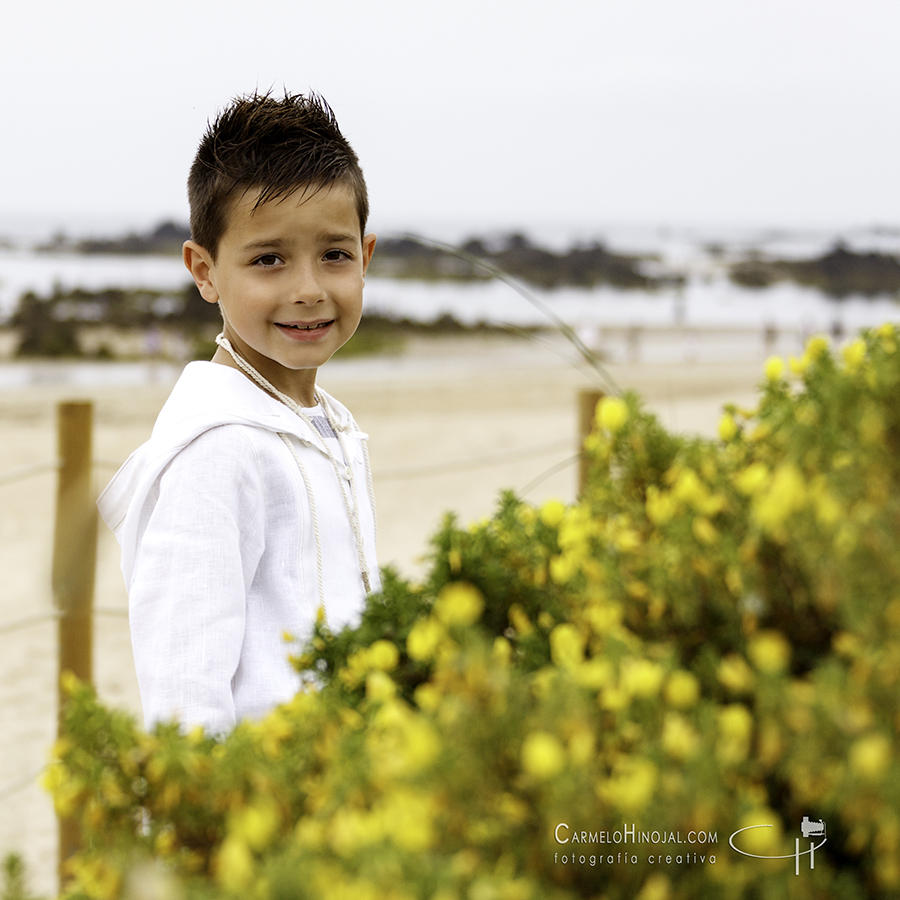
{"x": 483, "y": 460}
{"x": 27, "y": 471}
{"x": 20, "y": 783}
{"x": 16, "y": 624}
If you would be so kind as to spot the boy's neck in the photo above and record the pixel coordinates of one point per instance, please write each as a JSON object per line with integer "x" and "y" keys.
{"x": 302, "y": 391}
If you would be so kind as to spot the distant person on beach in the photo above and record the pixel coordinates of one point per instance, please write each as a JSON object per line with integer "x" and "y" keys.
{"x": 249, "y": 512}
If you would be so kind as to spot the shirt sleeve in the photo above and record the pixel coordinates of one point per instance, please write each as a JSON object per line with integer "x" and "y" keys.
{"x": 198, "y": 551}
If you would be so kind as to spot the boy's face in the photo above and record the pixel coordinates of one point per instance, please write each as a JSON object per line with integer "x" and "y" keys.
{"x": 288, "y": 278}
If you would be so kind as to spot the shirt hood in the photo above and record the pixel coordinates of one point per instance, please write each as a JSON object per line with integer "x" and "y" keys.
{"x": 228, "y": 398}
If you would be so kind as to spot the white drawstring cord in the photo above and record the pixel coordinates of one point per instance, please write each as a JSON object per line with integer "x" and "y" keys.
{"x": 351, "y": 503}
{"x": 315, "y": 520}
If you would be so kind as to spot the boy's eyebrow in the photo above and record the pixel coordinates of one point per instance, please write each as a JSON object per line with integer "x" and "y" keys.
{"x": 336, "y": 237}
{"x": 265, "y": 244}
{"x": 276, "y": 243}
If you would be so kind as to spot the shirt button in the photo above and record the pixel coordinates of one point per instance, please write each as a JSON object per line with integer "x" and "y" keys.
{"x": 348, "y": 474}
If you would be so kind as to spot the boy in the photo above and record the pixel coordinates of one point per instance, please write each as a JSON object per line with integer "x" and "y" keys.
{"x": 250, "y": 508}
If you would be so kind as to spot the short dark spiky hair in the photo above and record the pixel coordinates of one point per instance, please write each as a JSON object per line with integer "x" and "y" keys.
{"x": 278, "y": 145}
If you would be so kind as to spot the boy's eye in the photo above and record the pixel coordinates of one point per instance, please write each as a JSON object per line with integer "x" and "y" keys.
{"x": 336, "y": 255}
{"x": 267, "y": 261}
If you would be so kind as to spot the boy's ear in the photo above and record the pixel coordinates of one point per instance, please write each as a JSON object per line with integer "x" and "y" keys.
{"x": 368, "y": 247}
{"x": 199, "y": 263}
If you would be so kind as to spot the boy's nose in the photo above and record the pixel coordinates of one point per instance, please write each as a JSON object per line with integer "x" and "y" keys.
{"x": 305, "y": 287}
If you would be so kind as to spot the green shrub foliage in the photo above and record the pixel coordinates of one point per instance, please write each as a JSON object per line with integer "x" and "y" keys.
{"x": 577, "y": 701}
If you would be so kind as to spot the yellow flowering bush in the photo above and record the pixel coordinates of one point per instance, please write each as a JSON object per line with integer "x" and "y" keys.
{"x": 581, "y": 700}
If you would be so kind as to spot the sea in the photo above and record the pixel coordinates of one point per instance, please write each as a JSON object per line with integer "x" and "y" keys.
{"x": 706, "y": 303}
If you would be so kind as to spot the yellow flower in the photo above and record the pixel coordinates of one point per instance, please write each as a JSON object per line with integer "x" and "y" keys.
{"x": 501, "y": 651}
{"x": 632, "y": 784}
{"x": 734, "y": 581}
{"x": 563, "y": 568}
{"x": 774, "y": 368}
{"x": 842, "y": 460}
{"x": 656, "y": 887}
{"x": 424, "y": 638}
{"x": 383, "y": 655}
{"x": 727, "y": 427}
{"x": 421, "y": 744}
{"x": 771, "y": 744}
{"x": 828, "y": 510}
{"x": 845, "y": 643}
{"x": 165, "y": 842}
{"x": 53, "y": 777}
{"x": 234, "y": 863}
{"x": 255, "y": 824}
{"x": 679, "y": 738}
{"x": 575, "y": 529}
{"x": 637, "y": 589}
{"x": 682, "y": 689}
{"x": 96, "y": 877}
{"x": 603, "y": 617}
{"x": 735, "y": 674}
{"x": 688, "y": 488}
{"x": 351, "y": 829}
{"x": 69, "y": 682}
{"x": 704, "y": 530}
{"x": 785, "y": 496}
{"x": 543, "y": 755}
{"x": 870, "y": 756}
{"x": 409, "y": 820}
{"x": 567, "y": 646}
{"x": 854, "y": 354}
{"x": 458, "y": 603}
{"x": 735, "y": 729}
{"x": 613, "y": 698}
{"x": 660, "y": 505}
{"x": 627, "y": 540}
{"x": 888, "y": 333}
{"x": 427, "y": 697}
{"x": 594, "y": 673}
{"x": 765, "y": 840}
{"x": 380, "y": 687}
{"x": 67, "y": 790}
{"x": 642, "y": 677}
{"x": 519, "y": 620}
{"x": 769, "y": 651}
{"x": 735, "y": 722}
{"x": 817, "y": 346}
{"x": 582, "y": 746}
{"x": 552, "y": 513}
{"x": 612, "y": 413}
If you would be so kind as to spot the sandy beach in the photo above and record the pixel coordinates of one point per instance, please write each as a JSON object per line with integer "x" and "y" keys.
{"x": 451, "y": 423}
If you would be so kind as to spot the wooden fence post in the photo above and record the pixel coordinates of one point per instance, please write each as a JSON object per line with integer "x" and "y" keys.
{"x": 587, "y": 406}
{"x": 74, "y": 561}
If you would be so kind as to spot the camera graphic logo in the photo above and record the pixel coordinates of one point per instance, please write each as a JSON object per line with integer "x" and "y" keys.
{"x": 810, "y": 829}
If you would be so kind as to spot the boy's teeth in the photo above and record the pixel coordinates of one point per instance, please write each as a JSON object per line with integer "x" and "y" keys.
{"x": 308, "y": 327}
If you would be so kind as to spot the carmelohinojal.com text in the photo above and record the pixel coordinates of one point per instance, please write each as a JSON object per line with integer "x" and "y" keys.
{"x": 694, "y": 843}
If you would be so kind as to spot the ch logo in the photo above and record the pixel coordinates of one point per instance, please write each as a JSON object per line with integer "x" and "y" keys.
{"x": 810, "y": 830}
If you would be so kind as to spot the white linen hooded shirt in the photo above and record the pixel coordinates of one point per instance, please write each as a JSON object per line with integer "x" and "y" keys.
{"x": 219, "y": 551}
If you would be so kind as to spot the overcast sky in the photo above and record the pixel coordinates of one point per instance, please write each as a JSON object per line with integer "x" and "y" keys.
{"x": 473, "y": 113}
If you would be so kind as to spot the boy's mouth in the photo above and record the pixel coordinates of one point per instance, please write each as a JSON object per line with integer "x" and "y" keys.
{"x": 299, "y": 327}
